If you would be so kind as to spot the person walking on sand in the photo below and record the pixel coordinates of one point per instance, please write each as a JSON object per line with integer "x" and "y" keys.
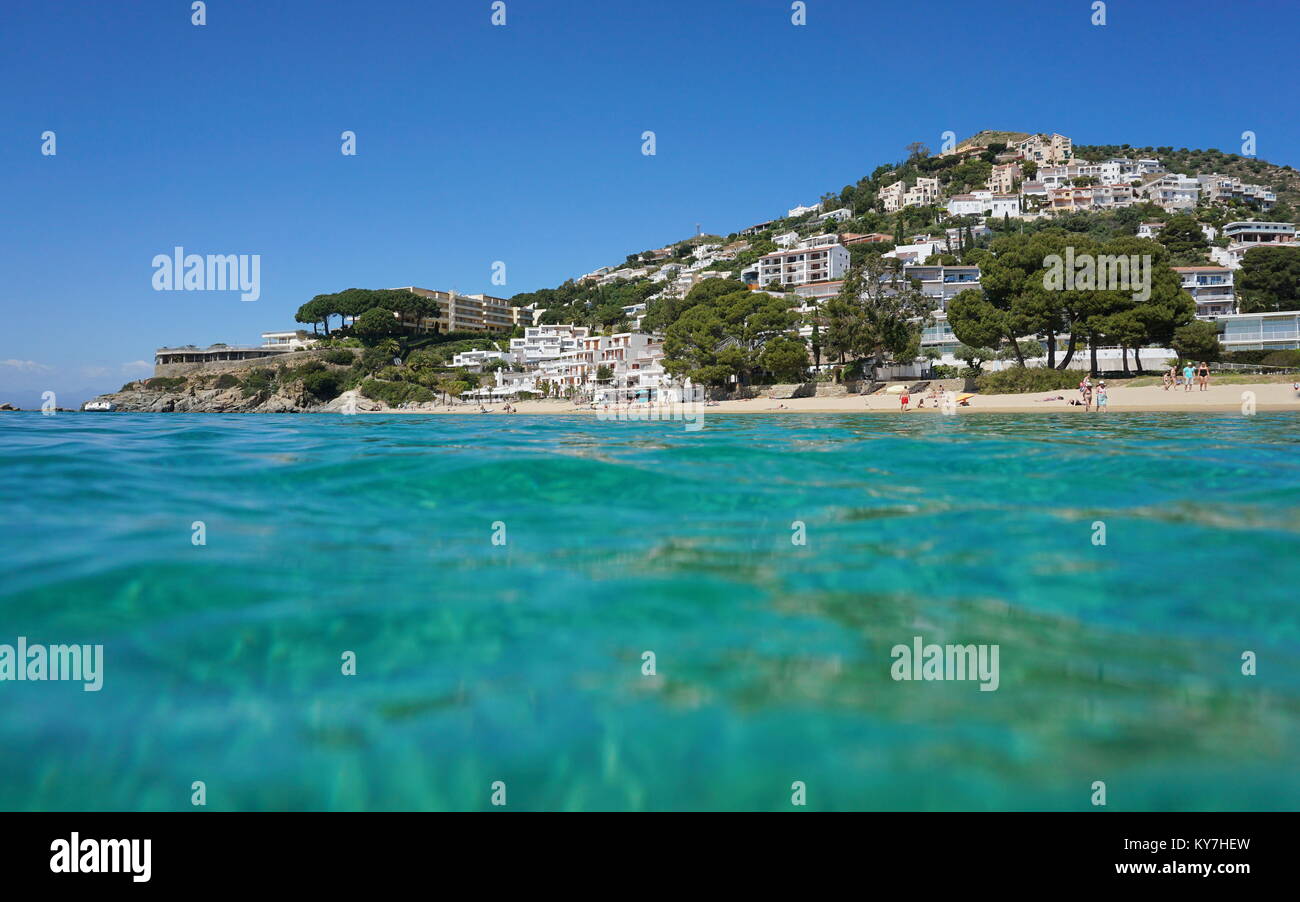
{"x": 1087, "y": 396}
{"x": 1203, "y": 374}
{"x": 1101, "y": 397}
{"x": 906, "y": 399}
{"x": 1188, "y": 375}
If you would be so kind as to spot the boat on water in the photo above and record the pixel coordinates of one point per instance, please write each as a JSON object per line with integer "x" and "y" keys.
{"x": 98, "y": 405}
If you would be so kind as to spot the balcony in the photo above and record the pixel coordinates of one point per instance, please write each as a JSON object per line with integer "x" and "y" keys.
{"x": 1235, "y": 337}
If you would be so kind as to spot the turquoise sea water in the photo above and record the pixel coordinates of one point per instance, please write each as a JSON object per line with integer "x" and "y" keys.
{"x": 522, "y": 662}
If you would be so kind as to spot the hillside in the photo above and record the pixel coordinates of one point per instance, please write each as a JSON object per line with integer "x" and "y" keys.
{"x": 987, "y": 136}
{"x": 1285, "y": 180}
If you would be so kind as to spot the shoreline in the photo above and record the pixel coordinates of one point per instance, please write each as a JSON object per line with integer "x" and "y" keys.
{"x": 1269, "y": 397}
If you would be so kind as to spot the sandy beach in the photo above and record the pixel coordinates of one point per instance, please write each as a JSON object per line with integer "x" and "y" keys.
{"x": 1268, "y": 397}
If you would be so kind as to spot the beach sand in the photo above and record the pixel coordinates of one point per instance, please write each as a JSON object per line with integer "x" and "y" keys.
{"x": 1269, "y": 397}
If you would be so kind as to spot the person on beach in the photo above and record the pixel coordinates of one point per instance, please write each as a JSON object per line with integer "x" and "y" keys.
{"x": 1188, "y": 374}
{"x": 905, "y": 398}
{"x": 1101, "y": 397}
{"x": 1087, "y": 397}
{"x": 1169, "y": 378}
{"x": 1203, "y": 375}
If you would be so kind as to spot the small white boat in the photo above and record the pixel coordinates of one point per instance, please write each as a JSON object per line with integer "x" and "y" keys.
{"x": 98, "y": 405}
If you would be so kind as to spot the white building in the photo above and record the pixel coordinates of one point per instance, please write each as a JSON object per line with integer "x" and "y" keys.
{"x": 798, "y": 266}
{"x": 1172, "y": 191}
{"x": 474, "y": 360}
{"x": 801, "y": 210}
{"x": 1259, "y": 331}
{"x": 297, "y": 340}
{"x": 843, "y": 214}
{"x": 1211, "y": 287}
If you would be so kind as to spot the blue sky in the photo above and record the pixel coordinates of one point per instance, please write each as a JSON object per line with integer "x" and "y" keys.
{"x": 522, "y": 143}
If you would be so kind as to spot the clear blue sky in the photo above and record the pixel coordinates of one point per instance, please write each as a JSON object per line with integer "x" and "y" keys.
{"x": 522, "y": 143}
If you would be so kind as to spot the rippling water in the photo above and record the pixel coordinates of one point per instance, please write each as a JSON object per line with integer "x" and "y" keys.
{"x": 522, "y": 662}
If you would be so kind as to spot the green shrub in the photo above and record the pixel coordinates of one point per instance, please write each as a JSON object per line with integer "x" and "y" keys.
{"x": 394, "y": 393}
{"x": 1017, "y": 380}
{"x": 323, "y": 385}
{"x": 339, "y": 357}
{"x": 1282, "y": 358}
{"x": 256, "y": 382}
{"x": 164, "y": 383}
{"x": 944, "y": 371}
{"x": 226, "y": 380}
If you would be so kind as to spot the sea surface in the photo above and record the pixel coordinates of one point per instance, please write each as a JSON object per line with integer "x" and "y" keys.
{"x": 521, "y": 661}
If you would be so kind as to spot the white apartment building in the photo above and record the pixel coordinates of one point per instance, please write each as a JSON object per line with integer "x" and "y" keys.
{"x": 1063, "y": 175}
{"x": 798, "y": 266}
{"x": 1254, "y": 232}
{"x": 1224, "y": 188}
{"x": 843, "y": 214}
{"x": 296, "y": 340}
{"x": 801, "y": 210}
{"x": 1094, "y": 197}
{"x": 542, "y": 343}
{"x": 924, "y": 192}
{"x": 1260, "y": 331}
{"x": 1172, "y": 191}
{"x": 786, "y": 239}
{"x": 474, "y": 360}
{"x": 973, "y": 204}
{"x": 1001, "y": 205}
{"x": 1211, "y": 287}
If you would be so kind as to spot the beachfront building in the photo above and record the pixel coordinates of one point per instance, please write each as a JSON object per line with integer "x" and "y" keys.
{"x": 1211, "y": 287}
{"x": 941, "y": 284}
{"x": 191, "y": 358}
{"x": 296, "y": 340}
{"x": 542, "y": 343}
{"x": 475, "y": 360}
{"x": 1259, "y": 331}
{"x": 470, "y": 312}
{"x": 798, "y": 266}
{"x": 629, "y": 362}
